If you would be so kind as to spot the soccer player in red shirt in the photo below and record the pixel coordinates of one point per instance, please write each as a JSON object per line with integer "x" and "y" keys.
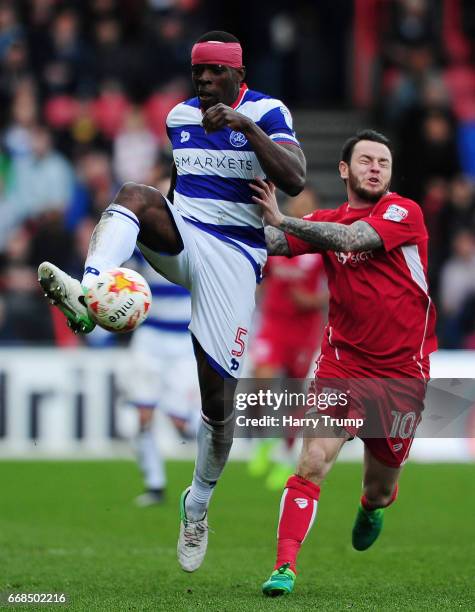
{"x": 381, "y": 326}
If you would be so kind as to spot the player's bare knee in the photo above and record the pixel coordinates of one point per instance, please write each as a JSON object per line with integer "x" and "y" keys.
{"x": 137, "y": 197}
{"x": 313, "y": 464}
{"x": 129, "y": 195}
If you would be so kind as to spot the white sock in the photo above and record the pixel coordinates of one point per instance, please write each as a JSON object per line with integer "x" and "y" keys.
{"x": 197, "y": 500}
{"x": 112, "y": 242}
{"x": 214, "y": 443}
{"x": 150, "y": 461}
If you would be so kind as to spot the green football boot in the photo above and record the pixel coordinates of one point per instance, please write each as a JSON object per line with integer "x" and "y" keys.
{"x": 67, "y": 294}
{"x": 367, "y": 527}
{"x": 281, "y": 582}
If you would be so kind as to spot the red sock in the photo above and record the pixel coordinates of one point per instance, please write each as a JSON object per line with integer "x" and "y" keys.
{"x": 298, "y": 508}
{"x": 367, "y": 506}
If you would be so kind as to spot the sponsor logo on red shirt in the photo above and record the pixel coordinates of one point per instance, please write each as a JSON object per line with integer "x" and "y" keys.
{"x": 354, "y": 259}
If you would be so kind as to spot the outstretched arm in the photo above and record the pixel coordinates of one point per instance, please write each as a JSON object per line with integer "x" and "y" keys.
{"x": 358, "y": 236}
{"x": 283, "y": 164}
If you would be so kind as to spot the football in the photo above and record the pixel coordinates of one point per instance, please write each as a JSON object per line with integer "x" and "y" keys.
{"x": 119, "y": 300}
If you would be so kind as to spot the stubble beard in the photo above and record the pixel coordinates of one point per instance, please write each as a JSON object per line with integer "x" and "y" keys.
{"x": 364, "y": 194}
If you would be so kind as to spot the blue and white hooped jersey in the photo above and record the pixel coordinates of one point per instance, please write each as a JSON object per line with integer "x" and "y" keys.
{"x": 214, "y": 170}
{"x": 170, "y": 310}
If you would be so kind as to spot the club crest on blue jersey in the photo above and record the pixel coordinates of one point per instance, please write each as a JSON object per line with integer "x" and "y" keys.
{"x": 184, "y": 136}
{"x": 237, "y": 139}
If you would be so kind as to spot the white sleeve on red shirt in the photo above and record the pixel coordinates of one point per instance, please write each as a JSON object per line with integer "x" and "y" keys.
{"x": 397, "y": 223}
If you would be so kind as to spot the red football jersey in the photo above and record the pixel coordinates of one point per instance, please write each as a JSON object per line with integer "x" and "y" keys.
{"x": 380, "y": 309}
{"x": 282, "y": 276}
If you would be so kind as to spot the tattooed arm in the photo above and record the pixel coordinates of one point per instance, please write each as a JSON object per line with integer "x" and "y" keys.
{"x": 358, "y": 236}
{"x": 276, "y": 242}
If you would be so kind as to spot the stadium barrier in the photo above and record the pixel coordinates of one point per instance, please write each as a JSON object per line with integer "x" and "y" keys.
{"x": 67, "y": 403}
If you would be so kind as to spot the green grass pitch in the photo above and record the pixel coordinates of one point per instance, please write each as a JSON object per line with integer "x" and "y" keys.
{"x": 71, "y": 527}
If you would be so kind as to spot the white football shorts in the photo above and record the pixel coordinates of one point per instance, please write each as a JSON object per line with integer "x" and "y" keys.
{"x": 222, "y": 282}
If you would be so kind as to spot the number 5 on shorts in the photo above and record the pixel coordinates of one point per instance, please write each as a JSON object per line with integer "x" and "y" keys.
{"x": 239, "y": 340}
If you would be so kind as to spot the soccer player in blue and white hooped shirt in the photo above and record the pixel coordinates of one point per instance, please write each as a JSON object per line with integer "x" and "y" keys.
{"x": 206, "y": 235}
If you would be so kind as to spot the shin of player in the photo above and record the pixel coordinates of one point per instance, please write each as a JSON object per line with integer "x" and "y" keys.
{"x": 298, "y": 507}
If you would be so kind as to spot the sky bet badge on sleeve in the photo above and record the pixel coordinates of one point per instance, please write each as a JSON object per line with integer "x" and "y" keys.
{"x": 395, "y": 213}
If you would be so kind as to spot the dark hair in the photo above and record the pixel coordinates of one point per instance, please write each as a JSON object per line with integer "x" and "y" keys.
{"x": 347, "y": 149}
{"x": 218, "y": 35}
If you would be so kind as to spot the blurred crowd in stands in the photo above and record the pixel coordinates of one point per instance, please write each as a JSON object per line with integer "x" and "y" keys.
{"x": 426, "y": 96}
{"x": 85, "y": 87}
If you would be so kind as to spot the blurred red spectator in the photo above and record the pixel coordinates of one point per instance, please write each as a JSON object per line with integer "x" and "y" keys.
{"x": 61, "y": 111}
{"x": 110, "y": 109}
{"x": 158, "y": 106}
{"x": 460, "y": 82}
